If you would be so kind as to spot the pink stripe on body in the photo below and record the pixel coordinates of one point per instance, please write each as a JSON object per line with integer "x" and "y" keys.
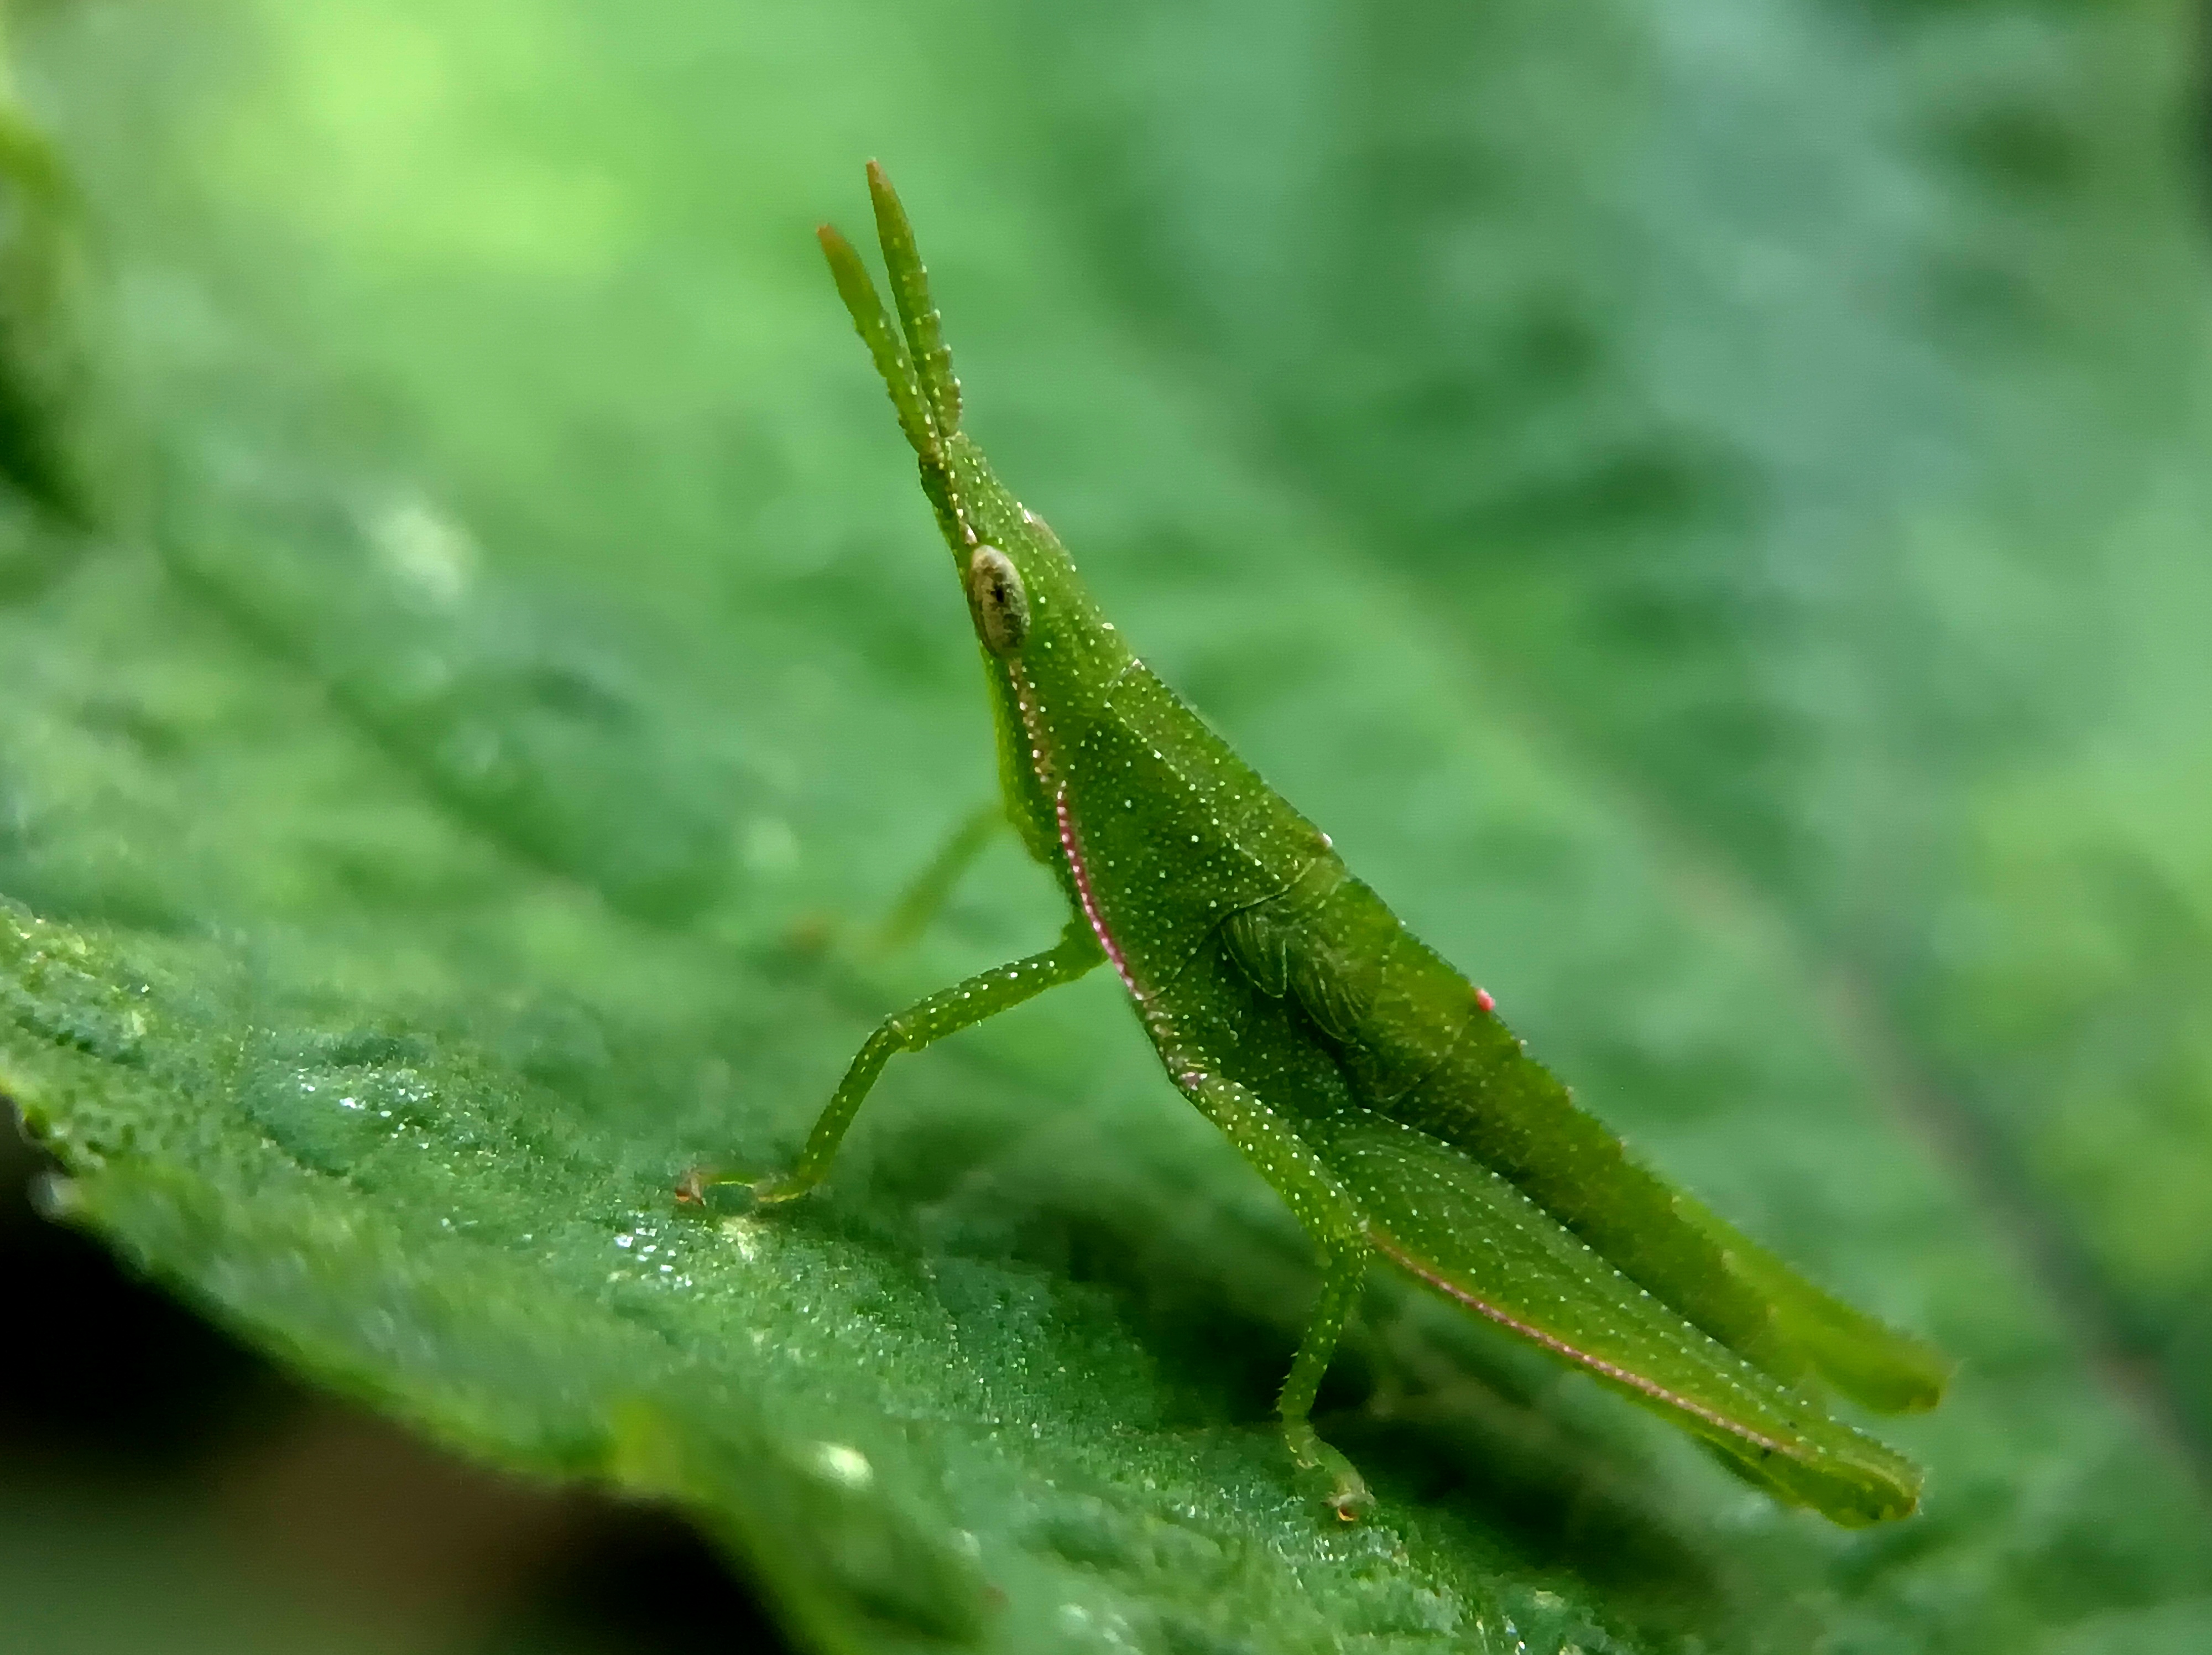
{"x": 1396, "y": 1250}
{"x": 1070, "y": 842}
{"x": 1072, "y": 846}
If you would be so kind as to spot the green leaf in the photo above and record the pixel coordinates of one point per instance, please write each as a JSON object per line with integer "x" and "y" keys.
{"x": 1705, "y": 504}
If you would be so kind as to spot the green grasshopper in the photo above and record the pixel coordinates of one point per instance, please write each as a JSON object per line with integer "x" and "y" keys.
{"x": 1368, "y": 1081}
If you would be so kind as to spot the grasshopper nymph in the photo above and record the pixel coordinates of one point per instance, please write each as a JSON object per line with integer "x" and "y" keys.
{"x": 1369, "y": 1082}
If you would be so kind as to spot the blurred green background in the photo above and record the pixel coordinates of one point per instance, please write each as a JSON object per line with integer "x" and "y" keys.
{"x": 1706, "y": 502}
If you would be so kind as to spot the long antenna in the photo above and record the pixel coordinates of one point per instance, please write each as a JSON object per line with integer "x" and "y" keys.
{"x": 925, "y": 330}
{"x": 874, "y": 327}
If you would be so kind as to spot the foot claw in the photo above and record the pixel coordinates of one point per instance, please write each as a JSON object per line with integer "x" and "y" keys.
{"x": 703, "y": 1190}
{"x": 1351, "y": 1504}
{"x": 1347, "y": 1496}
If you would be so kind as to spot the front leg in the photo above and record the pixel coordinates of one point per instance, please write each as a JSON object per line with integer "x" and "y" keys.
{"x": 946, "y": 1012}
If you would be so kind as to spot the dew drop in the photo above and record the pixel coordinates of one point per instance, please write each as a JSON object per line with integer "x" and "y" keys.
{"x": 840, "y": 1464}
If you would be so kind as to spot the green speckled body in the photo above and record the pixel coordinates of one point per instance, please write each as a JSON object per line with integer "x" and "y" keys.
{"x": 1250, "y": 951}
{"x": 1367, "y": 1079}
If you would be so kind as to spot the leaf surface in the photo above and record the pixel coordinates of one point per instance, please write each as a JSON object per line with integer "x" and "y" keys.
{"x": 1684, "y": 499}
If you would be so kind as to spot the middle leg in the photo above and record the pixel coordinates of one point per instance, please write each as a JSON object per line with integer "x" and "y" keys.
{"x": 1328, "y": 1213}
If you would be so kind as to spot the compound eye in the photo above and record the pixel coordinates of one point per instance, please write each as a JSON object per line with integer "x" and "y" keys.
{"x": 999, "y": 600}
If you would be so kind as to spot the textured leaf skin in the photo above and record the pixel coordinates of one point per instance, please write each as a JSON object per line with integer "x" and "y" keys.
{"x": 578, "y": 1393}
{"x": 1350, "y": 346}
